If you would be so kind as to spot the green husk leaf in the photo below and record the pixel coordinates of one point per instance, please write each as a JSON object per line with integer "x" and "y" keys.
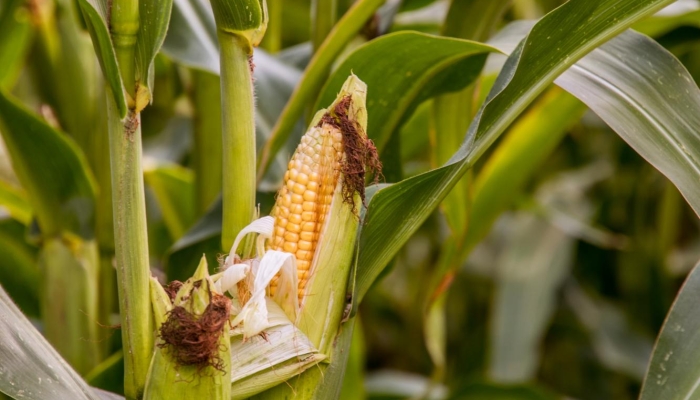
{"x": 258, "y": 364}
{"x": 167, "y": 377}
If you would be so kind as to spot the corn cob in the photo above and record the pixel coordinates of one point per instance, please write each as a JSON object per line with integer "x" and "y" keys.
{"x": 304, "y": 200}
{"x": 331, "y": 157}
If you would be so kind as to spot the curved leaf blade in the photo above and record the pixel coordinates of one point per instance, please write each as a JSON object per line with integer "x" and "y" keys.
{"x": 556, "y": 42}
{"x": 622, "y": 82}
{"x": 673, "y": 371}
{"x": 398, "y": 84}
{"x": 52, "y": 170}
{"x": 30, "y": 367}
{"x": 155, "y": 17}
{"x": 625, "y": 88}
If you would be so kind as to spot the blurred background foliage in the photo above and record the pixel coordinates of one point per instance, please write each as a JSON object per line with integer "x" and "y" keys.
{"x": 561, "y": 292}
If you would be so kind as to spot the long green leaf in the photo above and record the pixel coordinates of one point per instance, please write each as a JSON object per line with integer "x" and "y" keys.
{"x": 52, "y": 170}
{"x": 155, "y": 17}
{"x": 95, "y": 13}
{"x": 399, "y": 83}
{"x": 622, "y": 83}
{"x": 674, "y": 373}
{"x": 556, "y": 42}
{"x": 452, "y": 113}
{"x": 30, "y": 367}
{"x": 625, "y": 89}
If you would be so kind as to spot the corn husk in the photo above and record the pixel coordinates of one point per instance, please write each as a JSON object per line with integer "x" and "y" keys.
{"x": 168, "y": 379}
{"x": 262, "y": 362}
{"x": 324, "y": 300}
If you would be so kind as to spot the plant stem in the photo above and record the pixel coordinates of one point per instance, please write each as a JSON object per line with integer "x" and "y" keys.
{"x": 207, "y": 154}
{"x": 131, "y": 247}
{"x": 323, "y": 16}
{"x": 238, "y": 123}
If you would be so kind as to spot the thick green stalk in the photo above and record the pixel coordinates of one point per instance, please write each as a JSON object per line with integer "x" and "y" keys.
{"x": 323, "y": 16}
{"x": 238, "y": 123}
{"x": 315, "y": 76}
{"x": 131, "y": 247}
{"x": 206, "y": 158}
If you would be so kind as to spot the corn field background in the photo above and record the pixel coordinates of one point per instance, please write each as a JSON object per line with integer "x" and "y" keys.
{"x": 533, "y": 233}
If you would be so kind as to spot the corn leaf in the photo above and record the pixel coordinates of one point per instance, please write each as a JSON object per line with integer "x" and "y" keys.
{"x": 397, "y": 211}
{"x": 31, "y": 368}
{"x": 52, "y": 170}
{"x": 155, "y": 17}
{"x": 398, "y": 84}
{"x": 673, "y": 371}
{"x": 621, "y": 82}
{"x": 96, "y": 17}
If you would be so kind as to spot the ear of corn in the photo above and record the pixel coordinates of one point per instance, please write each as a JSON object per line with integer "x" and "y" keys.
{"x": 316, "y": 212}
{"x": 170, "y": 377}
{"x": 304, "y": 200}
{"x": 322, "y": 194}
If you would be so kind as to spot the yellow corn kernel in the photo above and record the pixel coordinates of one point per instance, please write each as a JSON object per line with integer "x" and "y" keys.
{"x": 304, "y": 200}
